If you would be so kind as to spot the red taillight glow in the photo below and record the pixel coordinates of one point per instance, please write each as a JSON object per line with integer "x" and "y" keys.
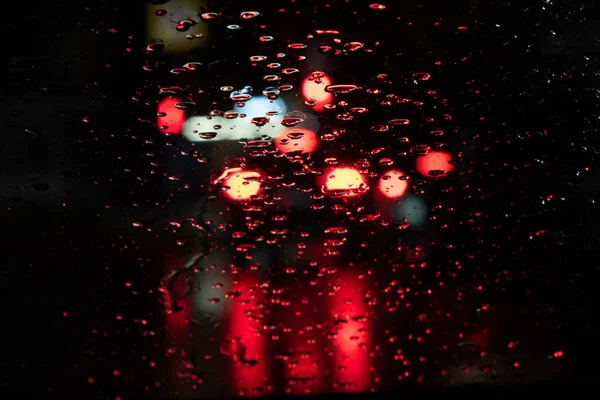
{"x": 435, "y": 164}
{"x": 170, "y": 119}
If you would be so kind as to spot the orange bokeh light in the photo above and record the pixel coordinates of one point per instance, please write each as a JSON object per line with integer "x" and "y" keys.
{"x": 297, "y": 140}
{"x": 435, "y": 164}
{"x": 170, "y": 119}
{"x": 344, "y": 180}
{"x": 314, "y": 90}
{"x": 393, "y": 184}
{"x": 239, "y": 184}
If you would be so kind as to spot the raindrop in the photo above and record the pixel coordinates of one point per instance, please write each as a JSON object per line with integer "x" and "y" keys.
{"x": 207, "y": 135}
{"x": 192, "y": 66}
{"x": 340, "y": 88}
{"x": 399, "y": 121}
{"x": 353, "y": 46}
{"x": 258, "y": 58}
{"x": 292, "y": 118}
{"x": 296, "y": 46}
{"x": 289, "y": 71}
{"x": 209, "y": 15}
{"x": 377, "y": 7}
{"x": 231, "y": 114}
{"x": 160, "y": 13}
{"x": 271, "y": 92}
{"x": 234, "y": 27}
{"x": 266, "y": 38}
{"x": 272, "y": 78}
{"x": 285, "y": 87}
{"x": 249, "y": 14}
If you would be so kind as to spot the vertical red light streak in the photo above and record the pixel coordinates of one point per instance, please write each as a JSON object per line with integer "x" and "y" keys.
{"x": 352, "y": 338}
{"x": 304, "y": 344}
{"x": 247, "y": 340}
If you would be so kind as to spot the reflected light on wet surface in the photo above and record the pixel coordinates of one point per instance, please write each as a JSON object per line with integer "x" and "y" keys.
{"x": 435, "y": 164}
{"x": 170, "y": 119}
{"x": 302, "y": 355}
{"x": 246, "y": 342}
{"x": 352, "y": 337}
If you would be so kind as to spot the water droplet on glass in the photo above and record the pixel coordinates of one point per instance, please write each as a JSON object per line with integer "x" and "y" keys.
{"x": 258, "y": 58}
{"x": 271, "y": 92}
{"x": 353, "y": 46}
{"x": 249, "y": 14}
{"x": 296, "y": 46}
{"x": 340, "y": 88}
{"x": 209, "y": 16}
{"x": 289, "y": 71}
{"x": 292, "y": 118}
{"x": 399, "y": 121}
{"x": 272, "y": 78}
{"x": 266, "y": 38}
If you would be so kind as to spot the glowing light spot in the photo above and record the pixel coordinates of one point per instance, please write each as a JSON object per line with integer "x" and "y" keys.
{"x": 344, "y": 181}
{"x": 240, "y": 185}
{"x": 170, "y": 119}
{"x": 297, "y": 140}
{"x": 435, "y": 164}
{"x": 313, "y": 90}
{"x": 393, "y": 184}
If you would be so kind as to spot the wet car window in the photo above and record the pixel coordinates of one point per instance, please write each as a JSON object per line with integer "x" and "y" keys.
{"x": 255, "y": 198}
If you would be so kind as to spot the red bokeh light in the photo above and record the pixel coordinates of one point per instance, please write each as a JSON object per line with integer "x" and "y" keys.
{"x": 240, "y": 184}
{"x": 313, "y": 90}
{"x": 344, "y": 181}
{"x": 435, "y": 164}
{"x": 170, "y": 119}
{"x": 393, "y": 184}
{"x": 297, "y": 140}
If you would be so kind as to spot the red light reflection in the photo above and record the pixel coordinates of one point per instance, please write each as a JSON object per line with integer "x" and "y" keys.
{"x": 303, "y": 364}
{"x": 344, "y": 181}
{"x": 170, "y": 119}
{"x": 239, "y": 184}
{"x": 297, "y": 140}
{"x": 313, "y": 90}
{"x": 246, "y": 341}
{"x": 352, "y": 339}
{"x": 393, "y": 184}
{"x": 435, "y": 164}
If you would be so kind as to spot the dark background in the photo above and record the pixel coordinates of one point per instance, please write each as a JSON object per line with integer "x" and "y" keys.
{"x": 529, "y": 98}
